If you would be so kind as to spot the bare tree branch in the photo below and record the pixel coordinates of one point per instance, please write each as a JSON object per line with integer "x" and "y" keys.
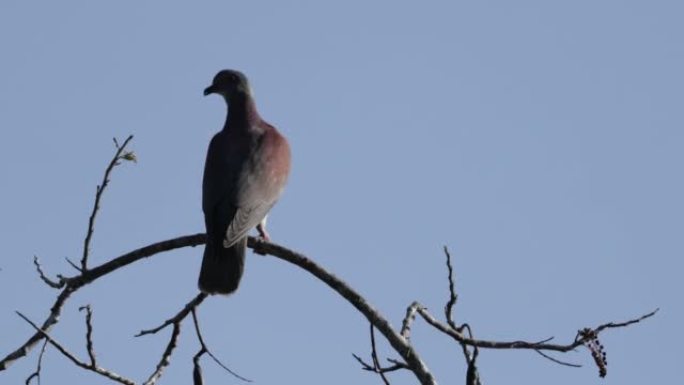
{"x": 376, "y": 367}
{"x": 396, "y": 365}
{"x": 449, "y": 307}
{"x": 39, "y": 366}
{"x": 89, "y": 333}
{"x": 44, "y": 278}
{"x": 408, "y": 320}
{"x": 93, "y": 368}
{"x": 98, "y": 195}
{"x": 587, "y": 337}
{"x": 472, "y": 374}
{"x": 51, "y": 320}
{"x": 459, "y": 337}
{"x": 76, "y": 282}
{"x": 611, "y": 325}
{"x": 556, "y": 360}
{"x": 374, "y": 355}
{"x": 396, "y": 340}
{"x": 165, "y": 359}
{"x": 197, "y": 372}
{"x": 176, "y": 319}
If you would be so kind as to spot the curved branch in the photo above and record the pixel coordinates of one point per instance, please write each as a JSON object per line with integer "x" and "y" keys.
{"x": 397, "y": 340}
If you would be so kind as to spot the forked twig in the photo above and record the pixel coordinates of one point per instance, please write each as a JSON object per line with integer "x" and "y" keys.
{"x": 93, "y": 368}
{"x": 98, "y": 195}
{"x": 39, "y": 366}
{"x": 197, "y": 370}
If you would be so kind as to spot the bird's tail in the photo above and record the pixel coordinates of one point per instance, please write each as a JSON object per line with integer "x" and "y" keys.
{"x": 222, "y": 267}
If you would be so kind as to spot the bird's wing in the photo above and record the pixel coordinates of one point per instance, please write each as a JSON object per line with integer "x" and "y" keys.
{"x": 244, "y": 220}
{"x": 259, "y": 185}
{"x": 242, "y": 181}
{"x": 223, "y": 166}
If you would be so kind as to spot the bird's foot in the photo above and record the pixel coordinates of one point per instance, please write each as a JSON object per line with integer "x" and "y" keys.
{"x": 263, "y": 237}
{"x": 263, "y": 234}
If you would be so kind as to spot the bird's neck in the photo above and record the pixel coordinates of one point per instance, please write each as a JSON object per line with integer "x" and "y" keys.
{"x": 242, "y": 112}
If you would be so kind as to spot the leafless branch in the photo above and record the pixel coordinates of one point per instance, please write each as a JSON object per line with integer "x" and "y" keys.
{"x": 165, "y": 359}
{"x": 74, "y": 283}
{"x": 396, "y": 340}
{"x": 98, "y": 195}
{"x": 51, "y": 320}
{"x": 408, "y": 320}
{"x": 396, "y": 365}
{"x": 72, "y": 264}
{"x": 89, "y": 333}
{"x": 44, "y": 278}
{"x": 176, "y": 319}
{"x": 93, "y": 368}
{"x": 472, "y": 374}
{"x": 376, "y": 367}
{"x": 556, "y": 360}
{"x": 449, "y": 307}
{"x": 611, "y": 325}
{"x": 543, "y": 345}
{"x": 374, "y": 355}
{"x": 197, "y": 371}
{"x": 39, "y": 366}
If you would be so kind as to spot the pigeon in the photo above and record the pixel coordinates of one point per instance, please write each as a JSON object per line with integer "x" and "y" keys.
{"x": 246, "y": 168}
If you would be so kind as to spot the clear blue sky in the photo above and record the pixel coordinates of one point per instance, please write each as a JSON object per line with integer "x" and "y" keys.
{"x": 543, "y": 142}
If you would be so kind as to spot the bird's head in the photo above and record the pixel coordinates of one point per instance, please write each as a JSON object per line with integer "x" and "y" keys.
{"x": 229, "y": 83}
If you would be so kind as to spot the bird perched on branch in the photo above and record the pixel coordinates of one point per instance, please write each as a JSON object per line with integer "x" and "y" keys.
{"x": 245, "y": 171}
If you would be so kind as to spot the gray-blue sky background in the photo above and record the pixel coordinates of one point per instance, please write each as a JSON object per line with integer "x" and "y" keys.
{"x": 541, "y": 141}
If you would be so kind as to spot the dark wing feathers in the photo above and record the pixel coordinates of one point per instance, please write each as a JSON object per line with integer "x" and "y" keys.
{"x": 243, "y": 181}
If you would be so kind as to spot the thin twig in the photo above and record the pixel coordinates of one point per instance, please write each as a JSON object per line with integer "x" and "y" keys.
{"x": 98, "y": 195}
{"x": 556, "y": 360}
{"x": 89, "y": 333}
{"x": 448, "y": 308}
{"x": 99, "y": 370}
{"x": 472, "y": 374}
{"x": 176, "y": 319}
{"x": 397, "y": 363}
{"x": 374, "y": 355}
{"x": 611, "y": 325}
{"x": 366, "y": 366}
{"x": 165, "y": 359}
{"x": 73, "y": 264}
{"x": 44, "y": 278}
{"x": 36, "y": 374}
{"x": 206, "y": 350}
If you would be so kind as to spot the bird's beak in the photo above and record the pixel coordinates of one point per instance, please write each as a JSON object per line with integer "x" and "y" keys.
{"x": 209, "y": 90}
